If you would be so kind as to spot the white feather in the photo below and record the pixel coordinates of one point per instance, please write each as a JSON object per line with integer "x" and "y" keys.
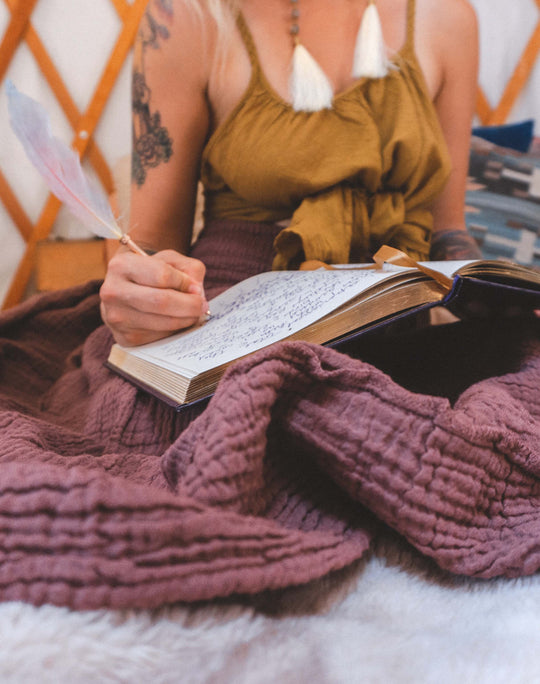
{"x": 60, "y": 165}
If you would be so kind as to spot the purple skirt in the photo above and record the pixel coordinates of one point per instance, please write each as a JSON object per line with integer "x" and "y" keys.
{"x": 233, "y": 251}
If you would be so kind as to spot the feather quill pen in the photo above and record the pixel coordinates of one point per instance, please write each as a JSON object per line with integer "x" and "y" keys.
{"x": 61, "y": 168}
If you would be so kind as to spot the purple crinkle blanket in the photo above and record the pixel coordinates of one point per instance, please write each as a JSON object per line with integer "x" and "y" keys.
{"x": 110, "y": 498}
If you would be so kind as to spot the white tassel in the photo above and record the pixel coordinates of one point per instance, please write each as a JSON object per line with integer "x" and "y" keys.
{"x": 310, "y": 88}
{"x": 370, "y": 58}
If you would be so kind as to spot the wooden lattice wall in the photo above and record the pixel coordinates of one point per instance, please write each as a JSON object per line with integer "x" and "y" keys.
{"x": 84, "y": 123}
{"x": 499, "y": 113}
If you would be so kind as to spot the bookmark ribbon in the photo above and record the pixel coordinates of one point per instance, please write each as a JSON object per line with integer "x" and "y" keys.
{"x": 389, "y": 255}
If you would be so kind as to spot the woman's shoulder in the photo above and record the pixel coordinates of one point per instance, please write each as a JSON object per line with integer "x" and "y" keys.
{"x": 443, "y": 17}
{"x": 187, "y": 18}
{"x": 446, "y": 40}
{"x": 178, "y": 37}
{"x": 208, "y": 15}
{"x": 449, "y": 27}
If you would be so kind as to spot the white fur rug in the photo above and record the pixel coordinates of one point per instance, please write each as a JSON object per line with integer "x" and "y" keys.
{"x": 376, "y": 623}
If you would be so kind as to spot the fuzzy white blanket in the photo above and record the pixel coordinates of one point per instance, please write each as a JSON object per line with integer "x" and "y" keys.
{"x": 381, "y": 621}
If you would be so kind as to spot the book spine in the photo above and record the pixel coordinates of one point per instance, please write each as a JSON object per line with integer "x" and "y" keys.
{"x": 475, "y": 298}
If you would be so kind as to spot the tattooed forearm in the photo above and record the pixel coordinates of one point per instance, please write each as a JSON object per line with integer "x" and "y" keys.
{"x": 453, "y": 244}
{"x": 152, "y": 144}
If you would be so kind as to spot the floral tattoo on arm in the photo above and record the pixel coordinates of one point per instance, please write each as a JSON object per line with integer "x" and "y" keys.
{"x": 152, "y": 144}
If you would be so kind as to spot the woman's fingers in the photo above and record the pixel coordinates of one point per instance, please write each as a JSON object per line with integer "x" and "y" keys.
{"x": 131, "y": 327}
{"x": 154, "y": 301}
{"x": 147, "y": 298}
{"x": 162, "y": 270}
{"x": 191, "y": 267}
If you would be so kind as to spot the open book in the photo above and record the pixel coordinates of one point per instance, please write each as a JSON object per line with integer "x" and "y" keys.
{"x": 320, "y": 306}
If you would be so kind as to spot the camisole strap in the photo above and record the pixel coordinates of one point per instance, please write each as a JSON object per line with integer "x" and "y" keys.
{"x": 409, "y": 38}
{"x": 249, "y": 43}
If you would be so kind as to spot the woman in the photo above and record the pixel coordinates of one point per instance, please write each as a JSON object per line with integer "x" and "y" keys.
{"x": 211, "y": 100}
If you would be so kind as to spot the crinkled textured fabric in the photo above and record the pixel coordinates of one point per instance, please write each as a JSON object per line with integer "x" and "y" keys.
{"x": 110, "y": 498}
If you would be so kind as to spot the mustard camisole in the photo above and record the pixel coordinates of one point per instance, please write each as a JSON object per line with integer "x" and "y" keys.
{"x": 350, "y": 178}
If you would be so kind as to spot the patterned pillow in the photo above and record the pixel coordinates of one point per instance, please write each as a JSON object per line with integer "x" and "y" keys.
{"x": 503, "y": 202}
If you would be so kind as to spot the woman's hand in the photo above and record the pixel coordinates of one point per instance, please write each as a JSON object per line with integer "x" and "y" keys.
{"x": 144, "y": 299}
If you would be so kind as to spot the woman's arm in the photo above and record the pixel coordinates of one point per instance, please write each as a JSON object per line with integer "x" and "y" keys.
{"x": 452, "y": 37}
{"x": 143, "y": 298}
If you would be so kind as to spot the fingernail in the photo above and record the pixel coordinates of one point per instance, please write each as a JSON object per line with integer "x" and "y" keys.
{"x": 205, "y": 309}
{"x": 195, "y": 288}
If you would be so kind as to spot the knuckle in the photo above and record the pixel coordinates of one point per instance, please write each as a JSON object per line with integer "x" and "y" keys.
{"x": 116, "y": 264}
{"x": 106, "y": 293}
{"x": 113, "y": 317}
{"x": 196, "y": 266}
{"x": 201, "y": 269}
{"x": 131, "y": 339}
{"x": 168, "y": 254}
{"x": 158, "y": 300}
{"x": 162, "y": 274}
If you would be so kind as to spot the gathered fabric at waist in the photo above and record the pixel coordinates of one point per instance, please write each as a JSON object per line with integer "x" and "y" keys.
{"x": 346, "y": 224}
{"x": 339, "y": 225}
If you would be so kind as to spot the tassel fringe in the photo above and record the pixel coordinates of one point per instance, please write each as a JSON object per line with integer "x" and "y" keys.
{"x": 310, "y": 88}
{"x": 370, "y": 58}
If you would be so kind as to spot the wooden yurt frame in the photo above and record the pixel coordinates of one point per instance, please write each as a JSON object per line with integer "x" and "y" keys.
{"x": 20, "y": 30}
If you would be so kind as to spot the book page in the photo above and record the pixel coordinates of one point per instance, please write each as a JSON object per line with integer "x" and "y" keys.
{"x": 447, "y": 268}
{"x": 257, "y": 312}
